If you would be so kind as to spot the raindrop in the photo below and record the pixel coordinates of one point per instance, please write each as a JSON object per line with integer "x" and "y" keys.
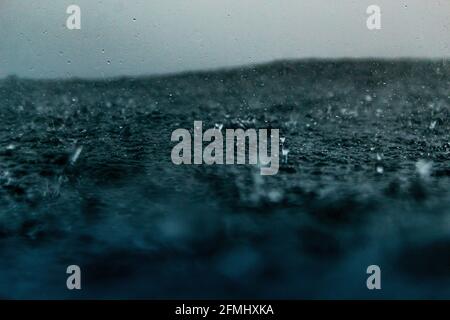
{"x": 275, "y": 196}
{"x": 433, "y": 124}
{"x": 423, "y": 168}
{"x": 285, "y": 153}
{"x": 75, "y": 155}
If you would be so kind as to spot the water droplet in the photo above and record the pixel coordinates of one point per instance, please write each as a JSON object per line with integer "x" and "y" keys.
{"x": 368, "y": 98}
{"x": 275, "y": 196}
{"x": 423, "y": 168}
{"x": 285, "y": 153}
{"x": 75, "y": 155}
{"x": 378, "y": 112}
{"x": 433, "y": 125}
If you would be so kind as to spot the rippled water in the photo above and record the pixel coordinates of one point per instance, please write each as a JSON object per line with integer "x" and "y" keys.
{"x": 86, "y": 178}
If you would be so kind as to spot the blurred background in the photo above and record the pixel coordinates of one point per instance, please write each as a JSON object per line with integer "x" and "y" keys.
{"x": 153, "y": 37}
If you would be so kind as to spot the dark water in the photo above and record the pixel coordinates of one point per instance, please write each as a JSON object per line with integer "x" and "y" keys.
{"x": 367, "y": 182}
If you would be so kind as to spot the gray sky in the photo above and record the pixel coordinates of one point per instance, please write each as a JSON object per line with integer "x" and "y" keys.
{"x": 178, "y": 35}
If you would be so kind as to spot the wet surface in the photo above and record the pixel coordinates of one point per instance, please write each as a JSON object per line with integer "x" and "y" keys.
{"x": 86, "y": 178}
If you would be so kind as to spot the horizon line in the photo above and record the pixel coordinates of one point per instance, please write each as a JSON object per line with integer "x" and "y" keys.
{"x": 230, "y": 68}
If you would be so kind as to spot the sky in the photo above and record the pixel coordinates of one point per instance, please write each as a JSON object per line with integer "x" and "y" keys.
{"x": 143, "y": 37}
